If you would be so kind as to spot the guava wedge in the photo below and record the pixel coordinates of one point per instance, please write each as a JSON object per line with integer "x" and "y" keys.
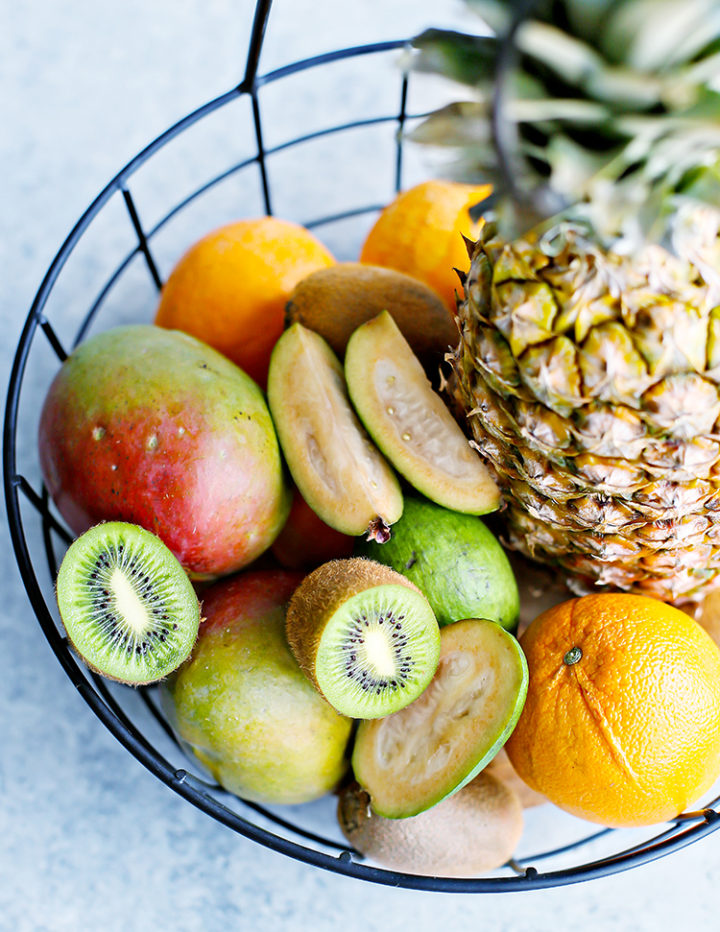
{"x": 414, "y": 758}
{"x": 410, "y": 423}
{"x": 336, "y": 467}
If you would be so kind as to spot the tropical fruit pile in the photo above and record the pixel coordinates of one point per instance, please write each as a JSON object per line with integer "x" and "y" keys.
{"x": 278, "y": 488}
{"x": 331, "y": 529}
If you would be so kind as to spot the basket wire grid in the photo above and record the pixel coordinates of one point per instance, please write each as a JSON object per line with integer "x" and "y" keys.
{"x": 312, "y": 847}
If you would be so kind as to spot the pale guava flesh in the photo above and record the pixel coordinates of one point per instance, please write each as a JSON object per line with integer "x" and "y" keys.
{"x": 410, "y": 423}
{"x": 413, "y": 759}
{"x": 333, "y": 462}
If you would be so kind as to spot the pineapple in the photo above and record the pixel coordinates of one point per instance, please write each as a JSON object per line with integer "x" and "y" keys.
{"x": 589, "y": 361}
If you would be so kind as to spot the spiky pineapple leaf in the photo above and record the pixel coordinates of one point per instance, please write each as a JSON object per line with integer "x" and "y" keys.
{"x": 614, "y": 106}
{"x": 464, "y": 58}
{"x": 657, "y": 35}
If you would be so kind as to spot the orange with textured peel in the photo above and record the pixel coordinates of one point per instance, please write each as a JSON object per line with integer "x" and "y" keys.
{"x": 231, "y": 287}
{"x": 421, "y": 233}
{"x": 622, "y": 719}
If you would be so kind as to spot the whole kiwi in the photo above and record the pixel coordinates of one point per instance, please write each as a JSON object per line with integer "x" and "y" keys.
{"x": 475, "y": 830}
{"x": 501, "y": 768}
{"x": 336, "y": 301}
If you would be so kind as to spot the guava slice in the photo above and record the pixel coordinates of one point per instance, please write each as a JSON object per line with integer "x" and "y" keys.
{"x": 410, "y": 423}
{"x": 414, "y": 758}
{"x": 336, "y": 467}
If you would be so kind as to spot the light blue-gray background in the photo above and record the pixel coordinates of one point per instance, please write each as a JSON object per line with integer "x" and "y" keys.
{"x": 89, "y": 840}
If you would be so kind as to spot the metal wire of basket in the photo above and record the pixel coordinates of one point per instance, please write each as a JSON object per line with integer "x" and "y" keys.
{"x": 134, "y": 716}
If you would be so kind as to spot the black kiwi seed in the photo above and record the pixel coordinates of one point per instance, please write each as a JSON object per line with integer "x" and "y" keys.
{"x": 127, "y": 604}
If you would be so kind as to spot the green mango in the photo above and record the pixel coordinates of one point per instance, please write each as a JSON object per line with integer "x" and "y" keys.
{"x": 242, "y": 705}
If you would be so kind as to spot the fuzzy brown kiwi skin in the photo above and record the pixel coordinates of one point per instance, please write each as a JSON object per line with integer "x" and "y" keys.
{"x": 501, "y": 768}
{"x": 475, "y": 830}
{"x": 335, "y": 301}
{"x": 322, "y": 593}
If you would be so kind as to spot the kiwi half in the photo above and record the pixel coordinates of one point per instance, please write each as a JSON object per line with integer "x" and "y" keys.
{"x": 128, "y": 607}
{"x": 410, "y": 423}
{"x": 364, "y": 635}
{"x": 335, "y": 465}
{"x": 473, "y": 831}
{"x": 335, "y": 301}
{"x": 415, "y": 758}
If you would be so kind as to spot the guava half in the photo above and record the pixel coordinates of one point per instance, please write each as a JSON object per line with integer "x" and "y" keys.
{"x": 414, "y": 758}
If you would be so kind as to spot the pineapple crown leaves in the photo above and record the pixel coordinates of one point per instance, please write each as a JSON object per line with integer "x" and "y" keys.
{"x": 613, "y": 109}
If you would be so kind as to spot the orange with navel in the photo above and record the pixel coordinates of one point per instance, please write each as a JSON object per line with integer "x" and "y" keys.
{"x": 421, "y": 233}
{"x": 231, "y": 287}
{"x": 621, "y": 724}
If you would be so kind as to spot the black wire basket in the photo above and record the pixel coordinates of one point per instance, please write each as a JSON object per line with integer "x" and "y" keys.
{"x": 123, "y": 280}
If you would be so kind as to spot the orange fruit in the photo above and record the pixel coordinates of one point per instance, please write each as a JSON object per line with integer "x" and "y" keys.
{"x": 622, "y": 719}
{"x": 420, "y": 233}
{"x": 231, "y": 287}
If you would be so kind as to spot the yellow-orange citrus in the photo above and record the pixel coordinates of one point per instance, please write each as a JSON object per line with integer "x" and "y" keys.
{"x": 622, "y": 719}
{"x": 231, "y": 287}
{"x": 420, "y": 233}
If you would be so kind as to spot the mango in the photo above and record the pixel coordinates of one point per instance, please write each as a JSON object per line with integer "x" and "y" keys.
{"x": 153, "y": 427}
{"x": 243, "y": 707}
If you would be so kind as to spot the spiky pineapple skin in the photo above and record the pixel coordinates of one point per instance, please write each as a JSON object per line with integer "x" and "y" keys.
{"x": 590, "y": 384}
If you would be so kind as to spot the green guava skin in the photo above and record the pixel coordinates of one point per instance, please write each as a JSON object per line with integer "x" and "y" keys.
{"x": 242, "y": 705}
{"x": 454, "y": 560}
{"x": 153, "y": 427}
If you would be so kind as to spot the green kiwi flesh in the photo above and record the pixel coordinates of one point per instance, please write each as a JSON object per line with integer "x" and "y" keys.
{"x": 365, "y": 636}
{"x": 127, "y": 605}
{"x": 377, "y": 652}
{"x": 413, "y": 759}
{"x": 410, "y": 423}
